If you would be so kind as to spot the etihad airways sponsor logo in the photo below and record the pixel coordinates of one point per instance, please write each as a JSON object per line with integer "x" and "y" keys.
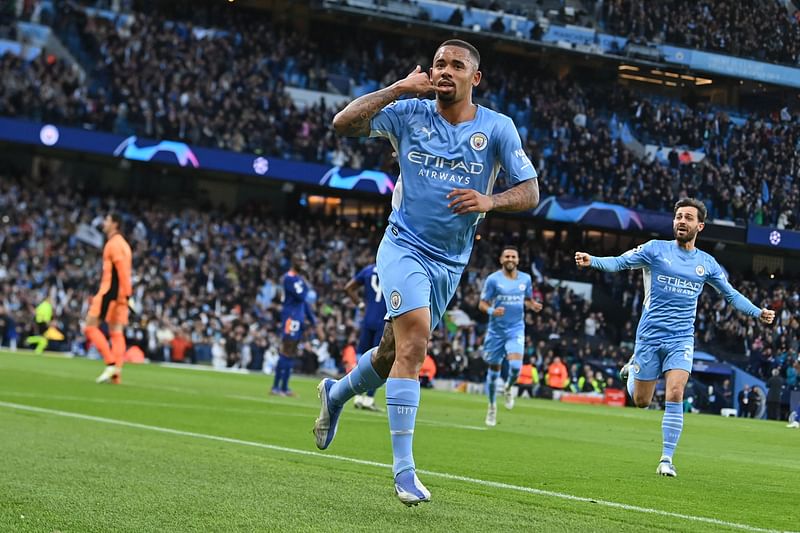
{"x": 441, "y": 168}
{"x": 510, "y": 298}
{"x": 679, "y": 285}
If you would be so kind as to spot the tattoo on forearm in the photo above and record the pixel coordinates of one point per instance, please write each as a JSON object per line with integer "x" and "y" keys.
{"x": 354, "y": 119}
{"x": 518, "y": 198}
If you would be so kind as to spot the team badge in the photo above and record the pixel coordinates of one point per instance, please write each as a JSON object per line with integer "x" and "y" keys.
{"x": 395, "y": 300}
{"x": 522, "y": 286}
{"x": 700, "y": 270}
{"x": 636, "y": 368}
{"x": 478, "y": 141}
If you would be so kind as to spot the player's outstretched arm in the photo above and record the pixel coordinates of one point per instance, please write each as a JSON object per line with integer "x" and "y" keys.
{"x": 354, "y": 119}
{"x": 639, "y": 257}
{"x": 739, "y": 301}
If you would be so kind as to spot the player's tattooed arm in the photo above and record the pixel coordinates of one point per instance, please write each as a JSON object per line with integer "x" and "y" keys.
{"x": 518, "y": 198}
{"x": 354, "y": 119}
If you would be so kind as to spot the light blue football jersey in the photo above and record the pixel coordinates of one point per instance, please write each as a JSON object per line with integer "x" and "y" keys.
{"x": 434, "y": 158}
{"x": 501, "y": 291}
{"x": 673, "y": 281}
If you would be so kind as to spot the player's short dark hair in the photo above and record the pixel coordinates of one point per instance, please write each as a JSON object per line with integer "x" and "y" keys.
{"x": 509, "y": 247}
{"x": 116, "y": 218}
{"x": 473, "y": 52}
{"x": 692, "y": 202}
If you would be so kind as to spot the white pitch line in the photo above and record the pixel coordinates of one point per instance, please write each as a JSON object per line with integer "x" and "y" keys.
{"x": 363, "y": 415}
{"x": 444, "y": 475}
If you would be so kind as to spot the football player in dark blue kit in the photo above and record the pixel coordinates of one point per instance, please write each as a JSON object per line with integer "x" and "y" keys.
{"x": 372, "y": 322}
{"x": 294, "y": 313}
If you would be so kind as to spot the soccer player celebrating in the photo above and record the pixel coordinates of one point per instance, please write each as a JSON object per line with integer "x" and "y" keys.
{"x": 674, "y": 274}
{"x": 506, "y": 293}
{"x": 111, "y": 301}
{"x": 371, "y": 324}
{"x": 450, "y": 152}
{"x": 294, "y": 313}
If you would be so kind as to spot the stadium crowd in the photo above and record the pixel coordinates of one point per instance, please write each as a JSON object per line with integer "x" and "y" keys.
{"x": 207, "y": 288}
{"x": 762, "y": 29}
{"x": 229, "y": 91}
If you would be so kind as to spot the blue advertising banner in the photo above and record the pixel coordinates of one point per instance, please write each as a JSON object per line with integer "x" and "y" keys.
{"x": 175, "y": 153}
{"x": 183, "y": 155}
{"x": 571, "y": 34}
{"x": 774, "y": 238}
{"x": 604, "y": 215}
{"x": 736, "y": 67}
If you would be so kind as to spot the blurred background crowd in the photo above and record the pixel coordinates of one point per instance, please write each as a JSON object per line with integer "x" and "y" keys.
{"x": 207, "y": 277}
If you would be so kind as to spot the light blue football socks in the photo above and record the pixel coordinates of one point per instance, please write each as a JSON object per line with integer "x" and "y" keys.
{"x": 671, "y": 426}
{"x": 402, "y": 402}
{"x": 491, "y": 384}
{"x": 361, "y": 379}
{"x": 514, "y": 367}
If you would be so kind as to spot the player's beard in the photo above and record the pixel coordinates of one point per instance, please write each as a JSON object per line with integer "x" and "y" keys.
{"x": 686, "y": 237}
{"x": 447, "y": 98}
{"x": 510, "y": 269}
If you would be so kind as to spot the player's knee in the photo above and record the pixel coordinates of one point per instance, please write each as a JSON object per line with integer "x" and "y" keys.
{"x": 641, "y": 402}
{"x": 674, "y": 394}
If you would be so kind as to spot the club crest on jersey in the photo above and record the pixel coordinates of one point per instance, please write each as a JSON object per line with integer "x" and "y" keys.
{"x": 395, "y": 300}
{"x": 700, "y": 270}
{"x": 478, "y": 141}
{"x": 522, "y": 286}
{"x": 636, "y": 368}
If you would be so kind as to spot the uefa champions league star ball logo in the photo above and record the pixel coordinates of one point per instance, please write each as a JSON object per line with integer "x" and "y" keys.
{"x": 775, "y": 238}
{"x": 478, "y": 141}
{"x": 700, "y": 270}
{"x": 260, "y": 166}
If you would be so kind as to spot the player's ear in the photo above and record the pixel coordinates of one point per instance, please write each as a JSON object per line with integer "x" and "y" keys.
{"x": 700, "y": 226}
{"x": 476, "y": 78}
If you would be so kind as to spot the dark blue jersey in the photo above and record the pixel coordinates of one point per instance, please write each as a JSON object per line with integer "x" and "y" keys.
{"x": 375, "y": 310}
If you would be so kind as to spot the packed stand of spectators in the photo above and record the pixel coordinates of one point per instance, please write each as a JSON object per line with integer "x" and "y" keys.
{"x": 758, "y": 159}
{"x": 206, "y": 287}
{"x": 759, "y": 29}
{"x": 159, "y": 79}
{"x": 206, "y": 282}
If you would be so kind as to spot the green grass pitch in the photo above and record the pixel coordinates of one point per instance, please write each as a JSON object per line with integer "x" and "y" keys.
{"x": 180, "y": 450}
